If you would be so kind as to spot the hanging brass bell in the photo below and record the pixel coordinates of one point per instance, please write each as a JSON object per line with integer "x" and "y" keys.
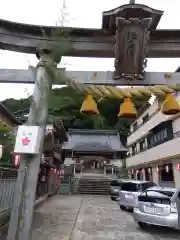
{"x": 170, "y": 106}
{"x": 127, "y": 109}
{"x": 89, "y": 106}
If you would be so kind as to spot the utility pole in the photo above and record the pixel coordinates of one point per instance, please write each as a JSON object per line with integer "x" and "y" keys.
{"x": 25, "y": 194}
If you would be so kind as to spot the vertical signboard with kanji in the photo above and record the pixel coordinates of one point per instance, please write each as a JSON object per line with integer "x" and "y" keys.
{"x": 131, "y": 47}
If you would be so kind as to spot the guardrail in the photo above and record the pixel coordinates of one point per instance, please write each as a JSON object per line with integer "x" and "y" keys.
{"x": 7, "y": 188}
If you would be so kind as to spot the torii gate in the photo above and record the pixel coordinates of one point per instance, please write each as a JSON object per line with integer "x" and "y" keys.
{"x": 128, "y": 34}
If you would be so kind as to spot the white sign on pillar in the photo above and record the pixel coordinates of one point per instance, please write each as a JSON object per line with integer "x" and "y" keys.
{"x": 28, "y": 139}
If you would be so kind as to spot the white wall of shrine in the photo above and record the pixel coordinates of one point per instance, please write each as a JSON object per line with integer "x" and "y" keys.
{"x": 68, "y": 161}
{"x": 116, "y": 162}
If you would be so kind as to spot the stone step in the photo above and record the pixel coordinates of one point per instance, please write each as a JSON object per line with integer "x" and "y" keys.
{"x": 93, "y": 190}
{"x": 94, "y": 184}
{"x": 94, "y": 193}
{"x": 94, "y": 180}
{"x": 91, "y": 185}
{"x": 87, "y": 187}
{"x": 99, "y": 185}
{"x": 82, "y": 182}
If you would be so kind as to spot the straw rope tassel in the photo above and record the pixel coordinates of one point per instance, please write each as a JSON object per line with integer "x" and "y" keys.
{"x": 114, "y": 92}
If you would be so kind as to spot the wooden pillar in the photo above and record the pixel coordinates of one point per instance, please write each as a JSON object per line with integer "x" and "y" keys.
{"x": 25, "y": 194}
{"x": 155, "y": 175}
{"x": 143, "y": 174}
{"x": 104, "y": 170}
{"x": 112, "y": 169}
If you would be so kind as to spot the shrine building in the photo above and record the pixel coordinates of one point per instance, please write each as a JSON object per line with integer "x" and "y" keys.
{"x": 94, "y": 151}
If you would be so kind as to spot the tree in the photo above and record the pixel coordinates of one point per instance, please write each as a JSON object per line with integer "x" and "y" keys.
{"x": 65, "y": 104}
{"x": 7, "y": 141}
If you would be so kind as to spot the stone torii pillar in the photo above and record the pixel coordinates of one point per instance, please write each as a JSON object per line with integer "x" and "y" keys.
{"x": 25, "y": 191}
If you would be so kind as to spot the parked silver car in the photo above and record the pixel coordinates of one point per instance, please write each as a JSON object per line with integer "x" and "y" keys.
{"x": 130, "y": 190}
{"x": 158, "y": 206}
{"x": 115, "y": 188}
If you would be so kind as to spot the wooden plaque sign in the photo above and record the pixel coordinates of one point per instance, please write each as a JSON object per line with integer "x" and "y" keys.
{"x": 131, "y": 47}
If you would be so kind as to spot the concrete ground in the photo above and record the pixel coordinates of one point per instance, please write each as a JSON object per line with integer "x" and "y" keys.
{"x": 86, "y": 217}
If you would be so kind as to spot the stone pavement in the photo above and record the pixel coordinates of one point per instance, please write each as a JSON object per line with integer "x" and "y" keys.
{"x": 90, "y": 218}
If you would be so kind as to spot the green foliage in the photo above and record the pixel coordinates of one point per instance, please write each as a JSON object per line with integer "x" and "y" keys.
{"x": 7, "y": 140}
{"x": 65, "y": 104}
{"x": 15, "y": 105}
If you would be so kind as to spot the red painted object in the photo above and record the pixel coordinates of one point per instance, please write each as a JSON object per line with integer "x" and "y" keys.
{"x": 16, "y": 160}
{"x": 178, "y": 166}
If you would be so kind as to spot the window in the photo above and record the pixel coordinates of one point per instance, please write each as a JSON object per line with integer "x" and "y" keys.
{"x": 115, "y": 183}
{"x": 155, "y": 138}
{"x": 147, "y": 185}
{"x": 132, "y": 176}
{"x": 156, "y": 196}
{"x": 139, "y": 175}
{"x": 145, "y": 118}
{"x": 158, "y": 137}
{"x": 135, "y": 126}
{"x": 148, "y": 174}
{"x": 159, "y": 193}
{"x": 166, "y": 173}
{"x": 165, "y": 133}
{"x": 142, "y": 145}
{"x": 134, "y": 149}
{"x": 129, "y": 187}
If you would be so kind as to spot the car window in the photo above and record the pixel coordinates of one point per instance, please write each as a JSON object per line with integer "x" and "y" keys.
{"x": 156, "y": 196}
{"x": 130, "y": 187}
{"x": 159, "y": 193}
{"x": 115, "y": 183}
{"x": 147, "y": 185}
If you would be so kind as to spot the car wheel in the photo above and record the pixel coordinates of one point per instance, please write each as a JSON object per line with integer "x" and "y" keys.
{"x": 122, "y": 208}
{"x": 130, "y": 210}
{"x": 142, "y": 225}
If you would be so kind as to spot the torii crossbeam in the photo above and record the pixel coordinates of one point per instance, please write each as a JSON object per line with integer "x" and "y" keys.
{"x": 89, "y": 77}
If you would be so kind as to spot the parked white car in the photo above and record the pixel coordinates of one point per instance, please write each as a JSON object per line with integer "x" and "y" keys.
{"x": 130, "y": 190}
{"x": 158, "y": 206}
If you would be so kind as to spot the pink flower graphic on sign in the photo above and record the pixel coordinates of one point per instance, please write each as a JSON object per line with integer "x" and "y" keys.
{"x": 26, "y": 139}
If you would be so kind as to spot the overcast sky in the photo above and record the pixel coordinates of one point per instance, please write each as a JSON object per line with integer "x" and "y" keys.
{"x": 80, "y": 13}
